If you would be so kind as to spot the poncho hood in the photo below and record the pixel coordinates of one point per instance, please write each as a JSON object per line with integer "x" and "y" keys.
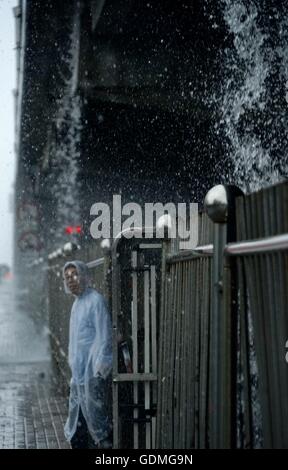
{"x": 83, "y": 274}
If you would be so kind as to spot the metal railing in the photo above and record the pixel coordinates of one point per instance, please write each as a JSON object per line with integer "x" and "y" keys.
{"x": 220, "y": 377}
{"x": 223, "y": 380}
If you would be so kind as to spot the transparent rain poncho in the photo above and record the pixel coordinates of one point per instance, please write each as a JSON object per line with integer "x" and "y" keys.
{"x": 90, "y": 360}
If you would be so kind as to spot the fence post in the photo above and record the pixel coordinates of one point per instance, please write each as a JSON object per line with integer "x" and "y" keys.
{"x": 220, "y": 207}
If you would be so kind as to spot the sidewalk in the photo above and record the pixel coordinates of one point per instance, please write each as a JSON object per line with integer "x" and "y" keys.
{"x": 32, "y": 412}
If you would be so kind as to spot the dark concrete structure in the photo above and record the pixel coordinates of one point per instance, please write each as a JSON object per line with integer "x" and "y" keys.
{"x": 122, "y": 89}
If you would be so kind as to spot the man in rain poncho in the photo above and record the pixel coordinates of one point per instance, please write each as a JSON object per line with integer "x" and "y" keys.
{"x": 89, "y": 421}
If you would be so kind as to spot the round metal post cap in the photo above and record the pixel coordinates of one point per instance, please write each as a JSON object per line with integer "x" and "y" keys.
{"x": 216, "y": 204}
{"x": 164, "y": 226}
{"x": 105, "y": 245}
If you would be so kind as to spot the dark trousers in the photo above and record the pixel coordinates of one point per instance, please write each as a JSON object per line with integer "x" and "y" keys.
{"x": 82, "y": 438}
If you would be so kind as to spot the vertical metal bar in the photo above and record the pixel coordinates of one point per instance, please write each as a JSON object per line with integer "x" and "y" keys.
{"x": 283, "y": 336}
{"x": 196, "y": 353}
{"x": 203, "y": 294}
{"x": 188, "y": 370}
{"x": 277, "y": 332}
{"x": 153, "y": 345}
{"x": 171, "y": 364}
{"x": 283, "y": 294}
{"x": 161, "y": 373}
{"x": 284, "y": 204}
{"x": 228, "y": 374}
{"x": 216, "y": 347}
{"x": 245, "y": 434}
{"x": 135, "y": 347}
{"x": 270, "y": 286}
{"x": 245, "y": 437}
{"x": 177, "y": 363}
{"x": 281, "y": 316}
{"x": 262, "y": 310}
{"x": 267, "y": 278}
{"x": 115, "y": 313}
{"x": 184, "y": 360}
{"x": 257, "y": 313}
{"x": 191, "y": 355}
{"x": 166, "y": 378}
{"x": 182, "y": 357}
{"x": 153, "y": 319}
{"x": 256, "y": 299}
{"x": 147, "y": 355}
{"x": 204, "y": 352}
{"x": 162, "y": 343}
{"x": 171, "y": 294}
{"x": 277, "y": 277}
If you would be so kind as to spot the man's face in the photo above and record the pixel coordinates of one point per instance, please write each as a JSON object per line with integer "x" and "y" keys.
{"x": 72, "y": 280}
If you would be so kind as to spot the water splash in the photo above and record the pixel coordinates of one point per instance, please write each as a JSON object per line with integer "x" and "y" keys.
{"x": 252, "y": 112}
{"x": 67, "y": 145}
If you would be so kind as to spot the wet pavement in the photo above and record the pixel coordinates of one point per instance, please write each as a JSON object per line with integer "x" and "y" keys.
{"x": 32, "y": 411}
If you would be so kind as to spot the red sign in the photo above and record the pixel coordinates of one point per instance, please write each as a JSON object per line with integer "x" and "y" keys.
{"x": 73, "y": 229}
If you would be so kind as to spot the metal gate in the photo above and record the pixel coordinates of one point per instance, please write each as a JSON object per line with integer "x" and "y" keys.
{"x": 135, "y": 312}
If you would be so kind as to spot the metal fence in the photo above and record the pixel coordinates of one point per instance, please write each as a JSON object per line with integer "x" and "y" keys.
{"x": 184, "y": 344}
{"x": 262, "y": 270}
{"x": 222, "y": 378}
{"x": 135, "y": 311}
{"x": 204, "y": 330}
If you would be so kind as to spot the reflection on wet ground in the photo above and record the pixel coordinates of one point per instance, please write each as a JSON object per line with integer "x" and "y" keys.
{"x": 32, "y": 412}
